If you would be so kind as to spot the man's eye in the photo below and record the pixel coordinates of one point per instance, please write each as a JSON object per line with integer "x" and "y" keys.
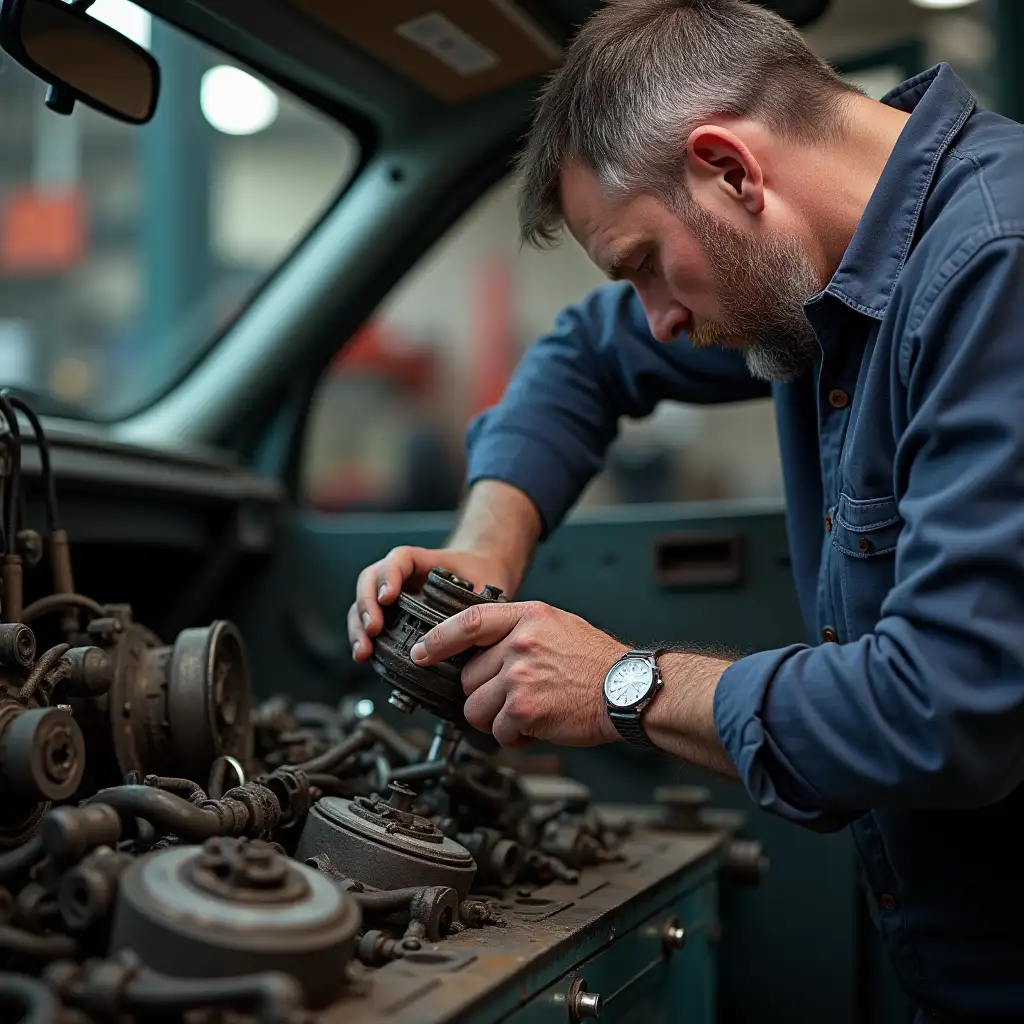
{"x": 646, "y": 266}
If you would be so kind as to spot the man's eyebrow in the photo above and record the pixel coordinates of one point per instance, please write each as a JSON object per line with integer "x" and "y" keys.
{"x": 616, "y": 267}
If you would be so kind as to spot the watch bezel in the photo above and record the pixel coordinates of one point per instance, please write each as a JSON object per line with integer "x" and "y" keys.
{"x": 651, "y": 689}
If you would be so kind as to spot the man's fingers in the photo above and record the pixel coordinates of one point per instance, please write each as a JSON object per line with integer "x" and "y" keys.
{"x": 362, "y": 647}
{"x": 479, "y": 625}
{"x": 482, "y": 668}
{"x": 506, "y": 727}
{"x": 483, "y": 705}
{"x": 381, "y": 583}
{"x": 393, "y": 572}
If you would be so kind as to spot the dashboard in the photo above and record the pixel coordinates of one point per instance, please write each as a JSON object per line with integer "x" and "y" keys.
{"x": 164, "y": 529}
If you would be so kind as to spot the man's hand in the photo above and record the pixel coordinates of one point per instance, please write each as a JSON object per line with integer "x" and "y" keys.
{"x": 381, "y": 583}
{"x": 540, "y": 677}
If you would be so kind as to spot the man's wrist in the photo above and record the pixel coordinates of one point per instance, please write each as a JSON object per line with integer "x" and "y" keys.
{"x": 681, "y": 717}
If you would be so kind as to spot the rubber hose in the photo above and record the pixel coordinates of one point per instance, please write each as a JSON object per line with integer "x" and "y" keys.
{"x": 58, "y": 603}
{"x": 169, "y": 813}
{"x": 48, "y": 947}
{"x": 274, "y": 996}
{"x": 23, "y": 857}
{"x": 388, "y": 900}
{"x": 43, "y": 666}
{"x": 31, "y": 1001}
{"x": 337, "y": 754}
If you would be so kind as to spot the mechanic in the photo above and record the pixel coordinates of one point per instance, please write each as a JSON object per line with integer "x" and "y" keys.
{"x": 774, "y": 231}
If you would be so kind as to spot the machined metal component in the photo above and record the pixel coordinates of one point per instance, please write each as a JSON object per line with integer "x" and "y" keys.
{"x": 170, "y": 710}
{"x": 17, "y": 647}
{"x": 385, "y": 845}
{"x": 683, "y": 807}
{"x": 233, "y": 908}
{"x": 42, "y": 755}
{"x": 583, "y": 1005}
{"x": 437, "y": 689}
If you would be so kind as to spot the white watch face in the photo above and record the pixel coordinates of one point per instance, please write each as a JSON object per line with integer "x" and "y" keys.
{"x": 628, "y": 682}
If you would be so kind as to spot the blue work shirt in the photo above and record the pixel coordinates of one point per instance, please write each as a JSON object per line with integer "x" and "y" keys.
{"x": 903, "y": 458}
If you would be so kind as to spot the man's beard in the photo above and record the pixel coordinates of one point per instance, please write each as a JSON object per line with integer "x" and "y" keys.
{"x": 762, "y": 284}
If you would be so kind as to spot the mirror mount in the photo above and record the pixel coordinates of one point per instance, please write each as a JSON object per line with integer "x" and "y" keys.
{"x": 59, "y": 98}
{"x": 80, "y": 58}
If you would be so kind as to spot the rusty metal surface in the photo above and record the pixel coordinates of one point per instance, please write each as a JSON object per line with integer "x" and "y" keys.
{"x": 486, "y": 974}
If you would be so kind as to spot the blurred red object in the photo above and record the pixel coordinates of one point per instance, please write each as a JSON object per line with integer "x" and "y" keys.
{"x": 42, "y": 232}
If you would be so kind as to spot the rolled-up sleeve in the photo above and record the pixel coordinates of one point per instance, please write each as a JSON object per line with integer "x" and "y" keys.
{"x": 926, "y": 710}
{"x": 549, "y": 434}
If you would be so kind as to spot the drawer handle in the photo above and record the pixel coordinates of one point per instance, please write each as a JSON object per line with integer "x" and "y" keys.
{"x": 673, "y": 935}
{"x": 583, "y": 1005}
{"x": 698, "y": 560}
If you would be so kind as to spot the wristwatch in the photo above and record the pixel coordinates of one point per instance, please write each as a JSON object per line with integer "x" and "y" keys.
{"x": 629, "y": 686}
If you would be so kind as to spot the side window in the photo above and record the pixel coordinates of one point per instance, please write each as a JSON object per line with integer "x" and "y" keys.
{"x": 387, "y": 427}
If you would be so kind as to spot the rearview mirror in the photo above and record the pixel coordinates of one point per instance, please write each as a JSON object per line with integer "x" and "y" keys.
{"x": 80, "y": 58}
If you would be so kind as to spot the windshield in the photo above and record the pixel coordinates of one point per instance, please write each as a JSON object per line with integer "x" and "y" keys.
{"x": 125, "y": 250}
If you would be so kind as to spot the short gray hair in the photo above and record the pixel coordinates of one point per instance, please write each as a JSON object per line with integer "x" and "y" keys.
{"x": 642, "y": 74}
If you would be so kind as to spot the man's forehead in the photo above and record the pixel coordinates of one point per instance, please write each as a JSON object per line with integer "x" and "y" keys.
{"x": 590, "y": 219}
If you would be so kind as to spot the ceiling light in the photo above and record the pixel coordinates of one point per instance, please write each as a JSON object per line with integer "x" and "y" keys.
{"x": 942, "y": 5}
{"x": 126, "y": 18}
{"x": 236, "y": 103}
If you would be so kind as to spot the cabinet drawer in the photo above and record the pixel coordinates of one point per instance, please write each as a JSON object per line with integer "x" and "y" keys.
{"x": 640, "y": 979}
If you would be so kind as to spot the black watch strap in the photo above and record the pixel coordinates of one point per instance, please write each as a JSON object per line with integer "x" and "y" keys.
{"x": 631, "y": 730}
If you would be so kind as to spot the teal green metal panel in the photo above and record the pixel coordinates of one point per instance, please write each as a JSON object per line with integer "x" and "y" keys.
{"x": 635, "y": 977}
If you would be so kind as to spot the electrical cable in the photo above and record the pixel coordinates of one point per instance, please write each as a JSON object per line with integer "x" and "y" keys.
{"x": 46, "y": 466}
{"x": 10, "y": 510}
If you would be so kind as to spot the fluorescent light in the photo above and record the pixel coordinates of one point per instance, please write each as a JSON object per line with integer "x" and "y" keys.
{"x": 236, "y": 103}
{"x": 942, "y": 5}
{"x": 126, "y": 18}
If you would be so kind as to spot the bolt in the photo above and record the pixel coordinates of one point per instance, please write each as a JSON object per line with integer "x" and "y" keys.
{"x": 492, "y": 593}
{"x": 401, "y": 702}
{"x": 401, "y": 796}
{"x": 58, "y": 755}
{"x": 126, "y": 708}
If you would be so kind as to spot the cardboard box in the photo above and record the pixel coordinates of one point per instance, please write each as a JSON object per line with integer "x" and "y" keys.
{"x": 455, "y": 49}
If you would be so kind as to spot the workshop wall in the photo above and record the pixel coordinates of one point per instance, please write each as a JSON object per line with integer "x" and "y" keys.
{"x": 474, "y": 303}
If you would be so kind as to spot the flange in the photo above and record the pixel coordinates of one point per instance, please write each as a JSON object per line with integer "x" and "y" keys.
{"x": 385, "y": 847}
{"x": 438, "y": 689}
{"x": 233, "y": 907}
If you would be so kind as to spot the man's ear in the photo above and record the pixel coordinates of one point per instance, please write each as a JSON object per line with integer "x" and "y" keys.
{"x": 719, "y": 158}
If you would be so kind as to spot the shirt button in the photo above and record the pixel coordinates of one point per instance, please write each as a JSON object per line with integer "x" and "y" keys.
{"x": 888, "y": 901}
{"x": 838, "y": 399}
{"x": 864, "y": 544}
{"x": 828, "y": 634}
{"x": 828, "y": 522}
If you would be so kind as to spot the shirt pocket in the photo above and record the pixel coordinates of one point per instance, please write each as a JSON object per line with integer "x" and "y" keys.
{"x": 864, "y": 533}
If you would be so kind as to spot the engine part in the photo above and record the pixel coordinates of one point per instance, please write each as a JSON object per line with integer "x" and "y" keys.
{"x": 170, "y": 710}
{"x": 28, "y": 1001}
{"x": 86, "y": 894}
{"x": 438, "y": 689}
{"x": 384, "y": 844}
{"x": 498, "y": 860}
{"x": 42, "y": 754}
{"x": 234, "y": 908}
{"x": 115, "y": 988}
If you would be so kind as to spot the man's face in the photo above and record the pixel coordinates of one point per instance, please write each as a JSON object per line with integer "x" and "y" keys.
{"x": 701, "y": 274}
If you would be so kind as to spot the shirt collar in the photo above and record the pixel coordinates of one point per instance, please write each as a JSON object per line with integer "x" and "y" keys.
{"x": 938, "y": 103}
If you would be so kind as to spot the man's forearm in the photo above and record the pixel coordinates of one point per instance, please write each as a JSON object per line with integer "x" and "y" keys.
{"x": 499, "y": 522}
{"x": 681, "y": 718}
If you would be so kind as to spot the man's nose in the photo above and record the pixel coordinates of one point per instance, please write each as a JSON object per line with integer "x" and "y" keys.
{"x": 666, "y": 322}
